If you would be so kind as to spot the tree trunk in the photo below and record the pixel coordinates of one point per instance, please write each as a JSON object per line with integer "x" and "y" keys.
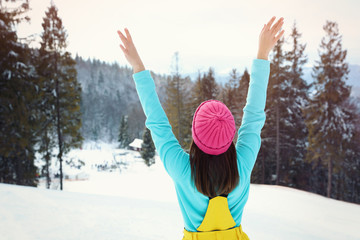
{"x": 58, "y": 123}
{"x": 178, "y": 107}
{"x": 47, "y": 163}
{"x": 277, "y": 147}
{"x": 47, "y": 160}
{"x": 177, "y": 77}
{"x": 263, "y": 169}
{"x": 330, "y": 167}
{"x": 59, "y": 133}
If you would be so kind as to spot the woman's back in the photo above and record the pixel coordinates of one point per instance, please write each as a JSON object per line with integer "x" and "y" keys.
{"x": 176, "y": 161}
{"x": 194, "y": 204}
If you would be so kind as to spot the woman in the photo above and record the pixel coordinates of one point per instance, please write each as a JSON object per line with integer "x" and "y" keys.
{"x": 212, "y": 182}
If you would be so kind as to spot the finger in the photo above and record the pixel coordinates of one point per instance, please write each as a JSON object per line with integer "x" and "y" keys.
{"x": 263, "y": 27}
{"x": 279, "y": 35}
{"x": 128, "y": 35}
{"x": 122, "y": 48}
{"x": 123, "y": 38}
{"x": 268, "y": 25}
{"x": 277, "y": 29}
{"x": 277, "y": 25}
{"x": 121, "y": 35}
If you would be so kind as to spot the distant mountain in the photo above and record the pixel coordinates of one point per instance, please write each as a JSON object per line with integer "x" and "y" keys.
{"x": 353, "y": 78}
{"x": 354, "y": 75}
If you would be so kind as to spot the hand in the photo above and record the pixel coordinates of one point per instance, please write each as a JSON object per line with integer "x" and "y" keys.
{"x": 130, "y": 52}
{"x": 268, "y": 37}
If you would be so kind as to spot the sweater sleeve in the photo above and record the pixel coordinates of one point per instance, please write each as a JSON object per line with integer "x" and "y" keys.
{"x": 173, "y": 157}
{"x": 249, "y": 140}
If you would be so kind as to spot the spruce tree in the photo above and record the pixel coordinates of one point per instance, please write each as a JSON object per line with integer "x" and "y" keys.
{"x": 147, "y": 148}
{"x": 210, "y": 88}
{"x": 63, "y": 91}
{"x": 196, "y": 98}
{"x": 231, "y": 95}
{"x": 273, "y": 141}
{"x": 296, "y": 132}
{"x": 19, "y": 97}
{"x": 242, "y": 91}
{"x": 101, "y": 107}
{"x": 46, "y": 144}
{"x": 348, "y": 184}
{"x": 124, "y": 138}
{"x": 197, "y": 93}
{"x": 326, "y": 117}
{"x": 176, "y": 105}
{"x": 281, "y": 101}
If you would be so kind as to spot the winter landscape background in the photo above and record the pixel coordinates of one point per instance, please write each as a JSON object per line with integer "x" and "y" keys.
{"x": 76, "y": 161}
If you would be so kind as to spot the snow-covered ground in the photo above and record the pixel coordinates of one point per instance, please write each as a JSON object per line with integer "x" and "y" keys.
{"x": 139, "y": 202}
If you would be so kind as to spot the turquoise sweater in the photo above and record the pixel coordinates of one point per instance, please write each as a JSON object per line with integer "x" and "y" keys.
{"x": 192, "y": 203}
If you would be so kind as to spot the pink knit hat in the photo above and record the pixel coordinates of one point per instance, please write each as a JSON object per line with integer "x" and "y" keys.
{"x": 213, "y": 127}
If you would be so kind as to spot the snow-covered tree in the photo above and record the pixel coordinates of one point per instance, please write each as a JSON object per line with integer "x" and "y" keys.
{"x": 197, "y": 93}
{"x": 124, "y": 138}
{"x": 242, "y": 91}
{"x": 347, "y": 185}
{"x": 18, "y": 99}
{"x": 62, "y": 90}
{"x": 327, "y": 118}
{"x": 296, "y": 91}
{"x": 273, "y": 141}
{"x": 231, "y": 94}
{"x": 176, "y": 104}
{"x": 148, "y": 148}
{"x": 209, "y": 86}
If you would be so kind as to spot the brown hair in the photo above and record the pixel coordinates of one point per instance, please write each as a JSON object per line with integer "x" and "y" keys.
{"x": 214, "y": 175}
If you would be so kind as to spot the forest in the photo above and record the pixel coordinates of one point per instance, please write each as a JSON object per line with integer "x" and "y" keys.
{"x": 52, "y": 100}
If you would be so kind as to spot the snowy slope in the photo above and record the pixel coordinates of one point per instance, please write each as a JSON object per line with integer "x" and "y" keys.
{"x": 271, "y": 213}
{"x": 140, "y": 203}
{"x": 29, "y": 213}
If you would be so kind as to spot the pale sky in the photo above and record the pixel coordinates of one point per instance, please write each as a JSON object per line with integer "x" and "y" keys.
{"x": 221, "y": 34}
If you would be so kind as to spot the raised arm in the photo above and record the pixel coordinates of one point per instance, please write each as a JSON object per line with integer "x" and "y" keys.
{"x": 175, "y": 160}
{"x": 249, "y": 140}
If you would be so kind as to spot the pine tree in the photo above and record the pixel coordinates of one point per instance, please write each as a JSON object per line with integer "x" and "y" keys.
{"x": 138, "y": 119}
{"x": 102, "y": 103}
{"x": 210, "y": 88}
{"x": 196, "y": 98}
{"x": 326, "y": 117}
{"x": 18, "y": 99}
{"x": 197, "y": 93}
{"x": 348, "y": 184}
{"x": 124, "y": 138}
{"x": 62, "y": 91}
{"x": 231, "y": 95}
{"x": 270, "y": 166}
{"x": 242, "y": 91}
{"x": 46, "y": 145}
{"x": 186, "y": 118}
{"x": 295, "y": 129}
{"x": 148, "y": 148}
{"x": 176, "y": 105}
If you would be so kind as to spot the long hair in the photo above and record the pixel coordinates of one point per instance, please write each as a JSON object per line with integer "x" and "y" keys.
{"x": 214, "y": 175}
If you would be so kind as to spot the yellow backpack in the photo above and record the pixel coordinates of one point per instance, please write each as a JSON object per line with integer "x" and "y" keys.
{"x": 217, "y": 223}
